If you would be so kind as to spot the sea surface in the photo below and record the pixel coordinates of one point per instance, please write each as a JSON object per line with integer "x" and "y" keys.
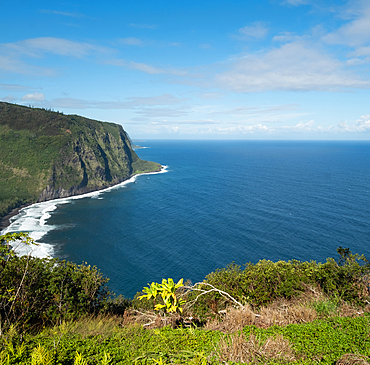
{"x": 214, "y": 203}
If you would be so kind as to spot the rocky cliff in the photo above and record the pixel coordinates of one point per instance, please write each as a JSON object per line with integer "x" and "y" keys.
{"x": 47, "y": 155}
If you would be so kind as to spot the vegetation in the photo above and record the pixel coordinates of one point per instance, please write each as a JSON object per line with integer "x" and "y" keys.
{"x": 167, "y": 291}
{"x": 68, "y": 154}
{"x": 57, "y": 312}
{"x": 262, "y": 283}
{"x": 38, "y": 292}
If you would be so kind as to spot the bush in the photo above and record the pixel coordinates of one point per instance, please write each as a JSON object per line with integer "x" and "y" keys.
{"x": 36, "y": 292}
{"x": 262, "y": 283}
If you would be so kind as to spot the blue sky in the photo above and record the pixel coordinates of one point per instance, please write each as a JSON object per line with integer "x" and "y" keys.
{"x": 267, "y": 69}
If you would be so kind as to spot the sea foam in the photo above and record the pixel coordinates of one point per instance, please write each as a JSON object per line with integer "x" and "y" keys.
{"x": 34, "y": 218}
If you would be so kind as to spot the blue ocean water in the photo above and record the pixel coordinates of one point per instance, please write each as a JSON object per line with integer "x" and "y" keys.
{"x": 218, "y": 202}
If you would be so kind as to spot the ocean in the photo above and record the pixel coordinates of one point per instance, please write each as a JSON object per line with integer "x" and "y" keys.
{"x": 215, "y": 202}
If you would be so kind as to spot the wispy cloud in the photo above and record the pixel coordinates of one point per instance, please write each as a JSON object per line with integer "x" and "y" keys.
{"x": 15, "y": 87}
{"x": 143, "y": 26}
{"x": 8, "y": 98}
{"x": 286, "y": 37}
{"x": 136, "y": 103}
{"x": 146, "y": 68}
{"x": 254, "y": 110}
{"x": 162, "y": 112}
{"x": 295, "y": 2}
{"x": 56, "y": 12}
{"x": 257, "y": 30}
{"x": 35, "y": 47}
{"x": 355, "y": 32}
{"x": 136, "y": 65}
{"x": 205, "y": 46}
{"x": 295, "y": 66}
{"x": 13, "y": 55}
{"x": 13, "y": 65}
{"x": 34, "y": 97}
{"x": 131, "y": 41}
{"x": 232, "y": 130}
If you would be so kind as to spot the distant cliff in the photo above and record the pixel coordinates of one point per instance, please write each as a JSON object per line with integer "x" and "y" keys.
{"x": 47, "y": 155}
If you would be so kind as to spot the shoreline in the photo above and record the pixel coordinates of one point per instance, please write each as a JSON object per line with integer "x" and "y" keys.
{"x": 5, "y": 221}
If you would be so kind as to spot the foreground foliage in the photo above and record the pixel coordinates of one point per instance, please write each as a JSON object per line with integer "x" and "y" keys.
{"x": 264, "y": 282}
{"x": 58, "y": 313}
{"x": 36, "y": 292}
{"x": 322, "y": 341}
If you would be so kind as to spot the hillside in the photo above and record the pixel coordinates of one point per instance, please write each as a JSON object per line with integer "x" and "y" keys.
{"x": 47, "y": 155}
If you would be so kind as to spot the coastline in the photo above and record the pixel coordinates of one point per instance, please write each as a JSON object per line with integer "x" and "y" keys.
{"x": 5, "y": 221}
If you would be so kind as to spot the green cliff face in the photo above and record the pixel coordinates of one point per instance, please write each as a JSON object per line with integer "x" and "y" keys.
{"x": 47, "y": 155}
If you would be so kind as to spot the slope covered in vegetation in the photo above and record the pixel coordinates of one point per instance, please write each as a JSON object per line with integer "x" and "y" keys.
{"x": 46, "y": 155}
{"x": 55, "y": 312}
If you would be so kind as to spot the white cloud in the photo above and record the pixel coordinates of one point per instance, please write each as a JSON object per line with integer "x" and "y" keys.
{"x": 8, "y": 99}
{"x": 360, "y": 52}
{"x": 136, "y": 103}
{"x": 12, "y": 64}
{"x": 131, "y": 41}
{"x": 14, "y": 87}
{"x": 35, "y": 47}
{"x": 162, "y": 112}
{"x": 145, "y": 68}
{"x": 255, "y": 30}
{"x": 211, "y": 128}
{"x": 149, "y": 69}
{"x": 34, "y": 97}
{"x": 296, "y": 66}
{"x": 72, "y": 15}
{"x": 243, "y": 129}
{"x": 301, "y": 127}
{"x": 354, "y": 33}
{"x": 286, "y": 37}
{"x": 295, "y": 2}
{"x": 135, "y": 65}
{"x": 164, "y": 99}
{"x": 205, "y": 46}
{"x": 143, "y": 26}
{"x": 363, "y": 124}
{"x": 254, "y": 110}
{"x": 210, "y": 95}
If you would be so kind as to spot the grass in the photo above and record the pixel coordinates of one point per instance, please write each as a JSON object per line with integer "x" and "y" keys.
{"x": 321, "y": 341}
{"x": 243, "y": 336}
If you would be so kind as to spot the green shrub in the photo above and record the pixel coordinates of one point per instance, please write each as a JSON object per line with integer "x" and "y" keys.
{"x": 36, "y": 292}
{"x": 262, "y": 283}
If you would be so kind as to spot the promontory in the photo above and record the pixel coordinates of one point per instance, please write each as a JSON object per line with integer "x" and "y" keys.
{"x": 47, "y": 155}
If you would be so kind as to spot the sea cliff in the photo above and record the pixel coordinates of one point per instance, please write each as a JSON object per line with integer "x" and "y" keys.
{"x": 46, "y": 155}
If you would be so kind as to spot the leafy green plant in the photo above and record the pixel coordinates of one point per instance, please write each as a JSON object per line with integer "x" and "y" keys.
{"x": 35, "y": 292}
{"x": 167, "y": 290}
{"x": 41, "y": 356}
{"x": 79, "y": 360}
{"x": 9, "y": 243}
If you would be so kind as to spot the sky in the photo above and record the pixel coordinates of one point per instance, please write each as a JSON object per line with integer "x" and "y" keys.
{"x": 205, "y": 69}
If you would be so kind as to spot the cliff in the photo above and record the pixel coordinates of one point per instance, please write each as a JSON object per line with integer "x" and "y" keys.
{"x": 47, "y": 155}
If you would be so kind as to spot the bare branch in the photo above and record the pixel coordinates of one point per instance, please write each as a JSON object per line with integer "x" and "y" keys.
{"x": 213, "y": 289}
